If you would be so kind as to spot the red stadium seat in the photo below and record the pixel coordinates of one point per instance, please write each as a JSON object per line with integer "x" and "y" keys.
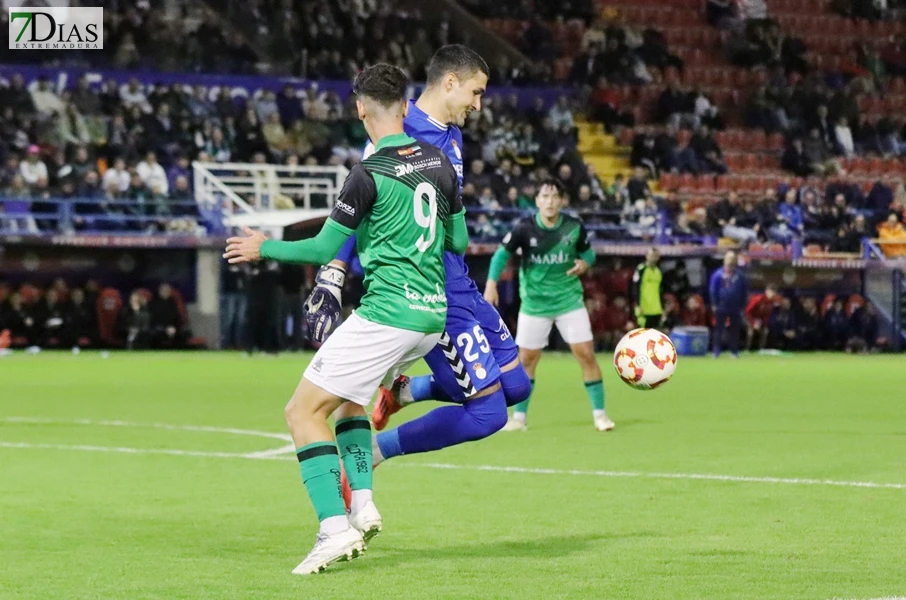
{"x": 670, "y": 181}
{"x": 108, "y": 307}
{"x": 686, "y": 183}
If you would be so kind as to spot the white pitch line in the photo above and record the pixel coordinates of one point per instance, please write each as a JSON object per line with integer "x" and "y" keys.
{"x": 122, "y": 450}
{"x": 117, "y": 423}
{"x": 884, "y": 598}
{"x": 285, "y": 454}
{"x": 699, "y": 476}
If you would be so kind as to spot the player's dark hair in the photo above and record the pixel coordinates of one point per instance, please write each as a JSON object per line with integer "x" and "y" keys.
{"x": 383, "y": 83}
{"x": 554, "y": 183}
{"x": 456, "y": 59}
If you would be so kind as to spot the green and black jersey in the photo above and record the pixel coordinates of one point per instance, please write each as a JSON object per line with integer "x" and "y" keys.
{"x": 547, "y": 254}
{"x": 399, "y": 201}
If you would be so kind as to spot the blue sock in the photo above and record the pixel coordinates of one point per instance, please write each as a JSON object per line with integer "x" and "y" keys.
{"x": 389, "y": 442}
{"x": 446, "y": 426}
{"x": 516, "y": 385}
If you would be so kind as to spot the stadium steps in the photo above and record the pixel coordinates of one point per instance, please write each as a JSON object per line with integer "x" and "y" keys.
{"x": 603, "y": 152}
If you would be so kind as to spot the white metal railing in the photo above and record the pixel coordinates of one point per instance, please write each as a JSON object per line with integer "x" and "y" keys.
{"x": 256, "y": 187}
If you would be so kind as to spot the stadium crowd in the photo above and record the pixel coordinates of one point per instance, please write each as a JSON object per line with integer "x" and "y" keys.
{"x": 772, "y": 320}
{"x": 87, "y": 316}
{"x": 262, "y": 310}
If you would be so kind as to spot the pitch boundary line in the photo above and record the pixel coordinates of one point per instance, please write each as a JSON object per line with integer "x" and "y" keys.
{"x": 286, "y": 451}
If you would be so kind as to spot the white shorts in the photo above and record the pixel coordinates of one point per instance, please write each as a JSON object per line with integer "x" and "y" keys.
{"x": 533, "y": 332}
{"x": 360, "y": 355}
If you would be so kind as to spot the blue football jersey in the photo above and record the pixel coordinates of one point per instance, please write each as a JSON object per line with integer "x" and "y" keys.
{"x": 449, "y": 139}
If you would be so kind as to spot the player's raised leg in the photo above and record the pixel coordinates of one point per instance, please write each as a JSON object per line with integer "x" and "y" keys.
{"x": 462, "y": 362}
{"x": 516, "y": 384}
{"x": 319, "y": 463}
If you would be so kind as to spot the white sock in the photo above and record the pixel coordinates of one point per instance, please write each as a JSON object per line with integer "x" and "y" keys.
{"x": 598, "y": 413}
{"x": 359, "y": 499}
{"x": 519, "y": 416}
{"x": 376, "y": 456}
{"x": 405, "y": 394}
{"x": 334, "y": 525}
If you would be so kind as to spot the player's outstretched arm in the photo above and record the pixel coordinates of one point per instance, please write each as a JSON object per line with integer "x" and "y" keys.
{"x": 318, "y": 250}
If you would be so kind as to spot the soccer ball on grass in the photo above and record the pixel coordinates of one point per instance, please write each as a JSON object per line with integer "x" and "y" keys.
{"x": 645, "y": 359}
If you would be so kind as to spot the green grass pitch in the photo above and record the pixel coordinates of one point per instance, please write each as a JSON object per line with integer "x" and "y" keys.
{"x": 97, "y": 502}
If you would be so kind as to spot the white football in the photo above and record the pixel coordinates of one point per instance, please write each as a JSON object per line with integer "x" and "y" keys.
{"x": 645, "y": 359}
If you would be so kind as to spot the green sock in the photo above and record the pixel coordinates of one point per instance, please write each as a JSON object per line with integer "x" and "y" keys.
{"x": 522, "y": 407}
{"x": 595, "y": 390}
{"x": 354, "y": 440}
{"x": 319, "y": 464}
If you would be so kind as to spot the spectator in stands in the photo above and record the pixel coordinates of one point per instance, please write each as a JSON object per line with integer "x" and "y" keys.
{"x": 808, "y": 324}
{"x": 879, "y": 200}
{"x": 836, "y": 326}
{"x": 19, "y": 319}
{"x": 676, "y": 281}
{"x": 618, "y": 320}
{"x": 864, "y": 330}
{"x": 675, "y": 107}
{"x": 707, "y": 152}
{"x": 758, "y": 312}
{"x": 694, "y": 312}
{"x": 844, "y": 138}
{"x": 152, "y": 173}
{"x": 637, "y": 186}
{"x": 893, "y": 236}
{"x": 641, "y": 218}
{"x": 605, "y": 105}
{"x": 561, "y": 114}
{"x": 789, "y": 221}
{"x": 850, "y": 236}
{"x": 33, "y": 168}
{"x": 135, "y": 322}
{"x": 80, "y": 322}
{"x": 783, "y": 333}
{"x": 818, "y": 154}
{"x": 736, "y": 224}
{"x": 728, "y": 291}
{"x": 795, "y": 159}
{"x": 52, "y": 319}
{"x": 167, "y": 329}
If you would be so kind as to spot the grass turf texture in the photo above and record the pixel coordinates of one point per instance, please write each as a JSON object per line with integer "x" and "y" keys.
{"x": 78, "y": 524}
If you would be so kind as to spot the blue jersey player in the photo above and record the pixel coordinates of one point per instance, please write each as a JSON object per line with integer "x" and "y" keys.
{"x": 476, "y": 365}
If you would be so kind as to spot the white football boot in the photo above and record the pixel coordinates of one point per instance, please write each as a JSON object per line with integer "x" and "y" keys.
{"x": 516, "y": 423}
{"x": 602, "y": 423}
{"x": 367, "y": 521}
{"x": 331, "y": 548}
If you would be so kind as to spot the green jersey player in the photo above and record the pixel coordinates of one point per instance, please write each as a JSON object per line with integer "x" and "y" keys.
{"x": 403, "y": 205}
{"x": 555, "y": 252}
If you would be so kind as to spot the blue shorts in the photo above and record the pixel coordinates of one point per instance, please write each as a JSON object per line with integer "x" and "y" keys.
{"x": 475, "y": 344}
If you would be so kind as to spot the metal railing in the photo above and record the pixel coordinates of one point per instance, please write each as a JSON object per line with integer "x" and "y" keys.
{"x": 252, "y": 187}
{"x": 20, "y": 216}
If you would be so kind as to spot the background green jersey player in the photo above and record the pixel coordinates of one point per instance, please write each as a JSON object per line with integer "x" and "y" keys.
{"x": 403, "y": 204}
{"x": 555, "y": 252}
